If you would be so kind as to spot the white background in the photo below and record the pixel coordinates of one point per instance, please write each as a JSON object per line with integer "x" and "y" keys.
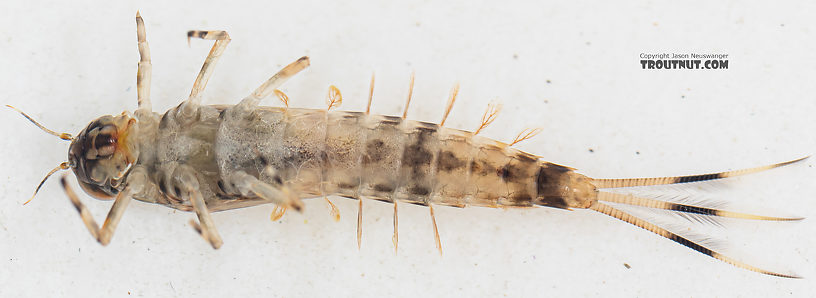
{"x": 572, "y": 70}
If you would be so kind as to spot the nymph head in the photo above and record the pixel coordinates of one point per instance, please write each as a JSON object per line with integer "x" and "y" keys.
{"x": 100, "y": 156}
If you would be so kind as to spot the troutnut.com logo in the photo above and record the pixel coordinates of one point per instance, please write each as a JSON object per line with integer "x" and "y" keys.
{"x": 683, "y": 61}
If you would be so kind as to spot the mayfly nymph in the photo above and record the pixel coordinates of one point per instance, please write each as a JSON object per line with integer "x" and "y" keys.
{"x": 207, "y": 158}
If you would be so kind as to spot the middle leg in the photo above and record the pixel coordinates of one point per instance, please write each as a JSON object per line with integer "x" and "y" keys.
{"x": 184, "y": 178}
{"x": 221, "y": 40}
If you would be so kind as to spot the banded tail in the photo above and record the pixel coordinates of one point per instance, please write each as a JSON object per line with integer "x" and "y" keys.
{"x": 690, "y": 209}
{"x": 632, "y": 182}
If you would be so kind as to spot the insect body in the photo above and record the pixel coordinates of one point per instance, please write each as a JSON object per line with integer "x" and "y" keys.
{"x": 207, "y": 158}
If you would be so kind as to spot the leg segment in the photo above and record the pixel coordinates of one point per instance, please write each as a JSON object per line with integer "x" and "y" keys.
{"x": 145, "y": 69}
{"x": 184, "y": 178}
{"x": 249, "y": 103}
{"x": 279, "y": 78}
{"x": 207, "y": 228}
{"x": 135, "y": 184}
{"x": 221, "y": 40}
{"x": 248, "y": 185}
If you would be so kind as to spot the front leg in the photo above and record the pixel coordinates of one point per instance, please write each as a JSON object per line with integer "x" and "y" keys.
{"x": 143, "y": 74}
{"x": 135, "y": 184}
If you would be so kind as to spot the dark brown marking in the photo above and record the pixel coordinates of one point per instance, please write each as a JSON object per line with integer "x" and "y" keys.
{"x": 448, "y": 161}
{"x": 510, "y": 173}
{"x": 324, "y": 157}
{"x": 558, "y": 168}
{"x": 384, "y": 188}
{"x": 518, "y": 171}
{"x": 264, "y": 161}
{"x": 375, "y": 151}
{"x": 221, "y": 185}
{"x": 549, "y": 187}
{"x": 697, "y": 178}
{"x": 103, "y": 140}
{"x": 162, "y": 187}
{"x": 387, "y": 200}
{"x": 347, "y": 196}
{"x": 694, "y": 209}
{"x": 424, "y": 132}
{"x": 474, "y": 166}
{"x": 688, "y": 243}
{"x": 543, "y": 180}
{"x": 503, "y": 172}
{"x": 344, "y": 185}
{"x": 416, "y": 156}
{"x": 296, "y": 156}
{"x": 428, "y": 126}
{"x": 420, "y": 203}
{"x": 391, "y": 120}
{"x": 526, "y": 157}
{"x": 520, "y": 199}
{"x": 419, "y": 190}
{"x": 480, "y": 168}
{"x": 552, "y": 201}
{"x": 352, "y": 115}
{"x": 165, "y": 120}
{"x": 225, "y": 197}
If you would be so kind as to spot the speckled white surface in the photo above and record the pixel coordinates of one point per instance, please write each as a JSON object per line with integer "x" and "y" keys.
{"x": 570, "y": 69}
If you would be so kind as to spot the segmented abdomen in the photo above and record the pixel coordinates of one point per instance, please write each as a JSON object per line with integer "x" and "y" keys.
{"x": 388, "y": 158}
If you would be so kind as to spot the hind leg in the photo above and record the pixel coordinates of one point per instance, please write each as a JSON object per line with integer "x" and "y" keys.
{"x": 280, "y": 77}
{"x": 274, "y": 192}
{"x": 248, "y": 104}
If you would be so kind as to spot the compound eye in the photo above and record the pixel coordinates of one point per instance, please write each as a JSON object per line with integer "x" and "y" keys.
{"x": 105, "y": 142}
{"x": 105, "y": 145}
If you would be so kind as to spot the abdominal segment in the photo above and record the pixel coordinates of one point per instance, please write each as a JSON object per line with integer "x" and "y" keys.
{"x": 388, "y": 158}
